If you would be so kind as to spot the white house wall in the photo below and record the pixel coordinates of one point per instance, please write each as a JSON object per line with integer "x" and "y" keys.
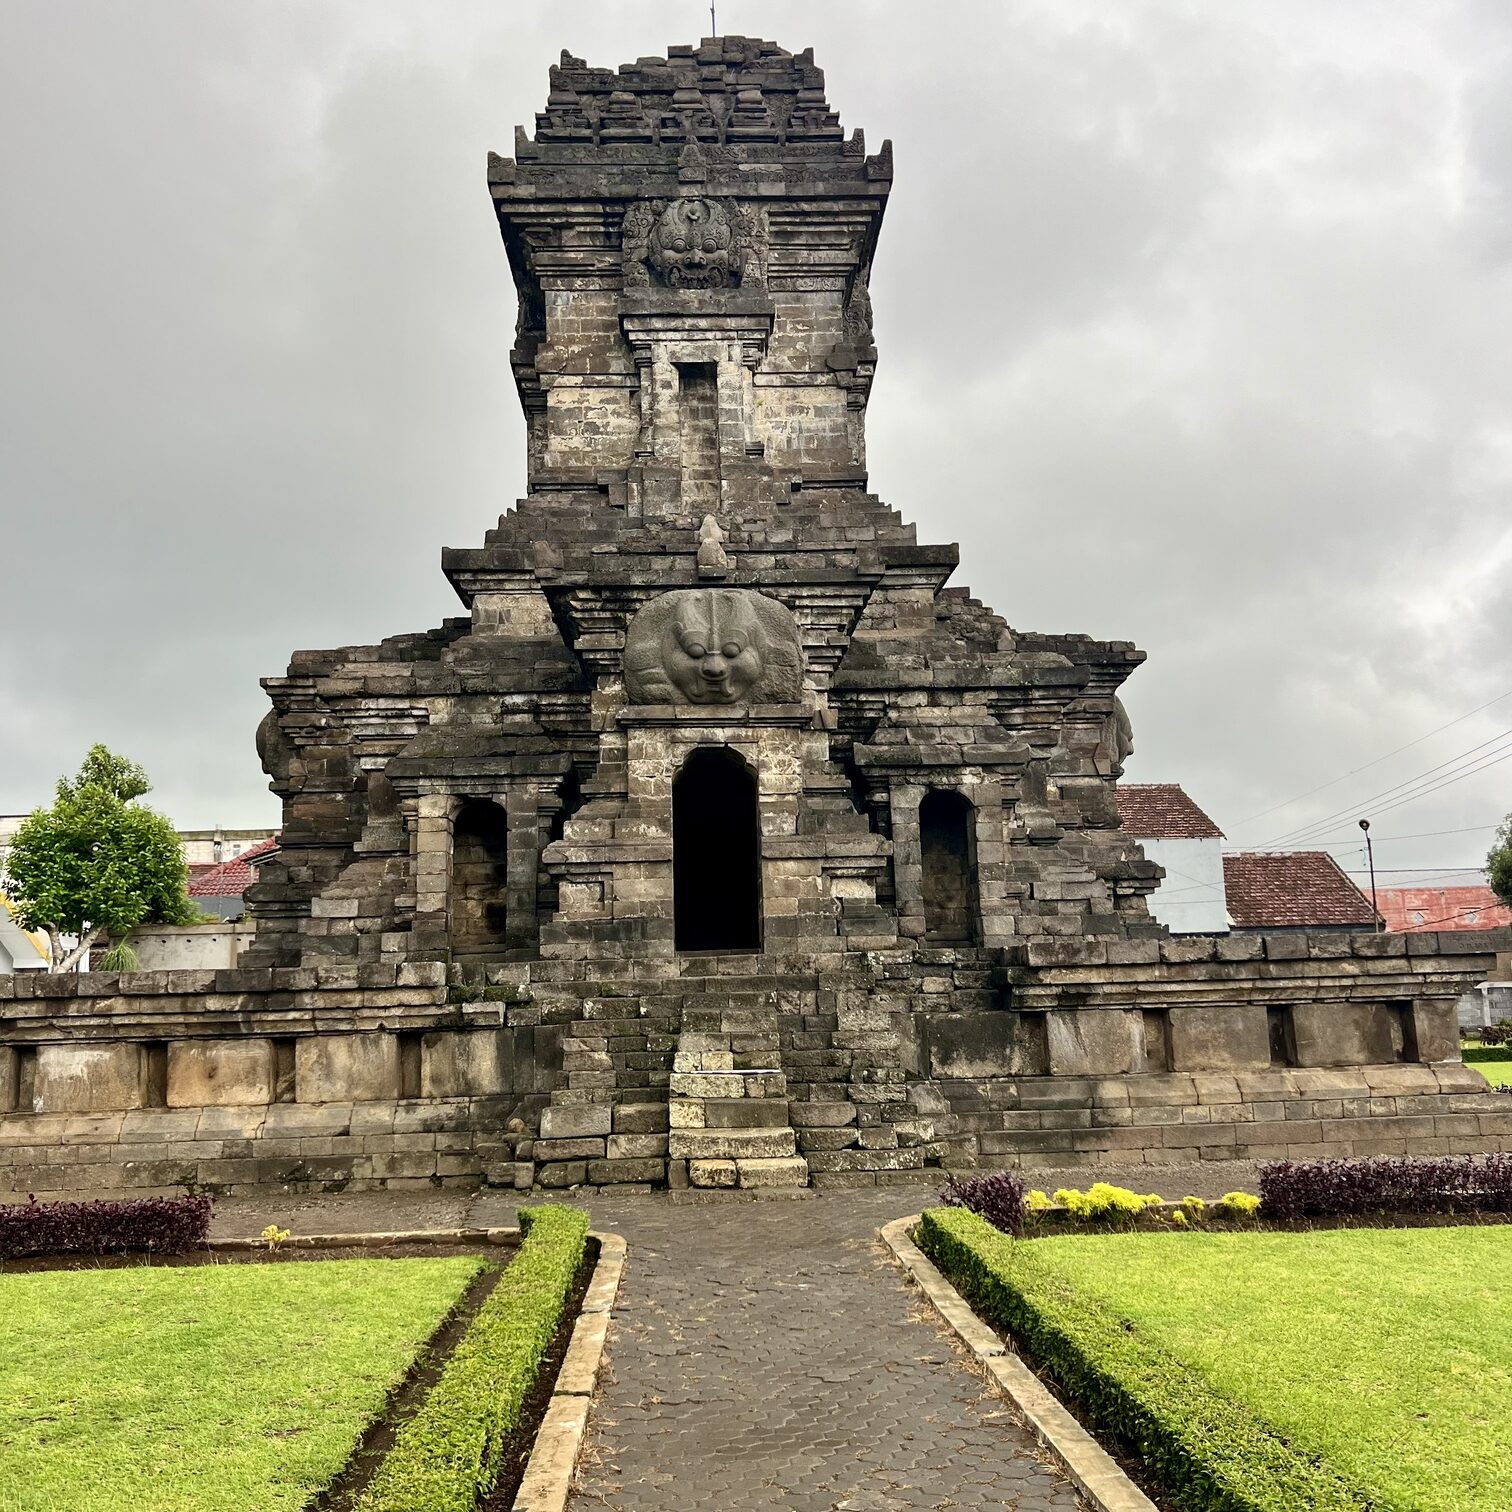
{"x": 1191, "y": 899}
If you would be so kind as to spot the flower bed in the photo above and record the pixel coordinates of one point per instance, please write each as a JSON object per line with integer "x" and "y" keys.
{"x": 162, "y": 1225}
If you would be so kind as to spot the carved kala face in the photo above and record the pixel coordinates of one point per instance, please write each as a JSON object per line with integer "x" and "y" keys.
{"x": 692, "y": 245}
{"x": 713, "y": 654}
{"x": 713, "y": 646}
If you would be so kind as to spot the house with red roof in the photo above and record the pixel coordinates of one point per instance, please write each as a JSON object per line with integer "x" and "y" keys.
{"x": 1208, "y": 892}
{"x": 1276, "y": 891}
{"x": 1177, "y": 835}
{"x": 219, "y": 890}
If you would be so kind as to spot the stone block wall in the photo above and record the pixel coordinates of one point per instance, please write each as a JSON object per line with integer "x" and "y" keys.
{"x": 888, "y": 1065}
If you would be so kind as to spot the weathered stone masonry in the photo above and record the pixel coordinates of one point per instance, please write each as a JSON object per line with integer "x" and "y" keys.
{"x": 720, "y": 842}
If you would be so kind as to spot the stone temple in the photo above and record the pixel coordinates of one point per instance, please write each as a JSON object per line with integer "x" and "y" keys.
{"x": 721, "y": 840}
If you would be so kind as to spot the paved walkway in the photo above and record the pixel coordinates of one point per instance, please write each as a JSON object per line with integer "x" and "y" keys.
{"x": 770, "y": 1355}
{"x": 766, "y": 1354}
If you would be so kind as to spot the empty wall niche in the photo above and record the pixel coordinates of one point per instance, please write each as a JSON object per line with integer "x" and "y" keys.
{"x": 1283, "y": 1037}
{"x": 479, "y": 881}
{"x": 1156, "y": 1024}
{"x": 155, "y": 1074}
{"x": 409, "y": 1063}
{"x": 698, "y": 424}
{"x": 283, "y": 1069}
{"x": 18, "y": 1072}
{"x": 1404, "y": 1040}
{"x": 947, "y": 842}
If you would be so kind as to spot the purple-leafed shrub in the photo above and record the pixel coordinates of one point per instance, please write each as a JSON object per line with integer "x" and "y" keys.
{"x": 164, "y": 1225}
{"x": 999, "y": 1198}
{"x": 1442, "y": 1184}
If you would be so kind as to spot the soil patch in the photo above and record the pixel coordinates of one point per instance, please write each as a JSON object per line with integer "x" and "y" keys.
{"x": 285, "y": 1255}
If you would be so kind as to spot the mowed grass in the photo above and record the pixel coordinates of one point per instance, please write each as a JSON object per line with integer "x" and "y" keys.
{"x": 1498, "y": 1071}
{"x": 1386, "y": 1351}
{"x": 215, "y": 1388}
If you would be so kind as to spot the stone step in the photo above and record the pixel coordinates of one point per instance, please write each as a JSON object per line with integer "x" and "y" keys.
{"x": 731, "y": 1144}
{"x": 772, "y": 1172}
{"x": 719, "y": 1084}
{"x": 753, "y": 1175}
{"x": 745, "y": 1113}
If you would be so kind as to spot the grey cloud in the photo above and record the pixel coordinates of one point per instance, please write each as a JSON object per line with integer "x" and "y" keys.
{"x": 1193, "y": 325}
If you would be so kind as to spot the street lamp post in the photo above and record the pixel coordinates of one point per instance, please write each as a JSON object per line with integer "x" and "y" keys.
{"x": 1370, "y": 861}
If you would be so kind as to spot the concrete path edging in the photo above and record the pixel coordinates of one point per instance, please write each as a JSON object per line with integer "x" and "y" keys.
{"x": 553, "y": 1458}
{"x": 1089, "y": 1465}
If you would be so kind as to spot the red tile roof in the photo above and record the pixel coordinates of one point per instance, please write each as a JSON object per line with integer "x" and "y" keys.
{"x": 1161, "y": 811}
{"x": 1406, "y": 909}
{"x": 1292, "y": 890}
{"x": 231, "y": 878}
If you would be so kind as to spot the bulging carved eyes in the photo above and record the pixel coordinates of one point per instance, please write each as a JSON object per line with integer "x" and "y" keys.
{"x": 680, "y": 245}
{"x": 697, "y": 651}
{"x": 732, "y": 649}
{"x": 710, "y": 245}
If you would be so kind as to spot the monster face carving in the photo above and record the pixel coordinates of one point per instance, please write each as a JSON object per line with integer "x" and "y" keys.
{"x": 713, "y": 646}
{"x": 692, "y": 246}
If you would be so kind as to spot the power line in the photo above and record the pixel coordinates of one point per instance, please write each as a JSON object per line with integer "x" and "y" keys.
{"x": 1350, "y": 811}
{"x": 1417, "y": 871}
{"x": 1470, "y": 829}
{"x": 1334, "y": 782}
{"x": 1354, "y": 810}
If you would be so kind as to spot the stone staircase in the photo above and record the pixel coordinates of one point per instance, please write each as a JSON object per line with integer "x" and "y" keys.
{"x": 727, "y": 1107}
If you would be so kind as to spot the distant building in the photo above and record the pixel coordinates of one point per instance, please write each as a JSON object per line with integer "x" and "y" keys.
{"x": 1208, "y": 892}
{"x": 1408, "y": 909}
{"x": 1280, "y": 890}
{"x": 1177, "y": 835}
{"x": 219, "y": 890}
{"x": 20, "y": 949}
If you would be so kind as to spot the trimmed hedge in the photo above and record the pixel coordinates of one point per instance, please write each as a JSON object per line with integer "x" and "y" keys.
{"x": 447, "y": 1455}
{"x": 1386, "y": 1183}
{"x": 1206, "y": 1452}
{"x": 164, "y": 1225}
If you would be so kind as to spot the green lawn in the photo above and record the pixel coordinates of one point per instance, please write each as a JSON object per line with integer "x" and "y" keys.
{"x": 213, "y": 1388}
{"x": 1497, "y": 1071}
{"x": 1386, "y": 1352}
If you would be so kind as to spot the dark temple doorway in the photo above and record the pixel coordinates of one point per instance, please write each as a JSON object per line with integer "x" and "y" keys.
{"x": 479, "y": 881}
{"x": 716, "y": 853}
{"x": 950, "y": 893}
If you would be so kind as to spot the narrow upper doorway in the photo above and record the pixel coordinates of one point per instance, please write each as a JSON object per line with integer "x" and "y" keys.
{"x": 950, "y": 891}
{"x": 716, "y": 853}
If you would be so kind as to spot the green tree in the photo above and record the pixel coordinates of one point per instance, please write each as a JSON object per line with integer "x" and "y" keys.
{"x": 97, "y": 863}
{"x": 1499, "y": 862}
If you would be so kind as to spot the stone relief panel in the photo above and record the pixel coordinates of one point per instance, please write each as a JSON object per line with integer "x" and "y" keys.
{"x": 713, "y": 646}
{"x": 691, "y": 244}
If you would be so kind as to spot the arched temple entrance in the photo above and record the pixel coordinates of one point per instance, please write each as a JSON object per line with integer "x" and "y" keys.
{"x": 950, "y": 892}
{"x": 716, "y": 853}
{"x": 480, "y": 855}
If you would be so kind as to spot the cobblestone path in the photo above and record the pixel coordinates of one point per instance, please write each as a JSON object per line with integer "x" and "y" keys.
{"x": 770, "y": 1355}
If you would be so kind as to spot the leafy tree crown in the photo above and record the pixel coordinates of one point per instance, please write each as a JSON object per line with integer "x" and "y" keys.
{"x": 98, "y": 860}
{"x": 1499, "y": 862}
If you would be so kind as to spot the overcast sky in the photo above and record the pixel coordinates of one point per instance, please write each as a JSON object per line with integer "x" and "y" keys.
{"x": 1194, "y": 324}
